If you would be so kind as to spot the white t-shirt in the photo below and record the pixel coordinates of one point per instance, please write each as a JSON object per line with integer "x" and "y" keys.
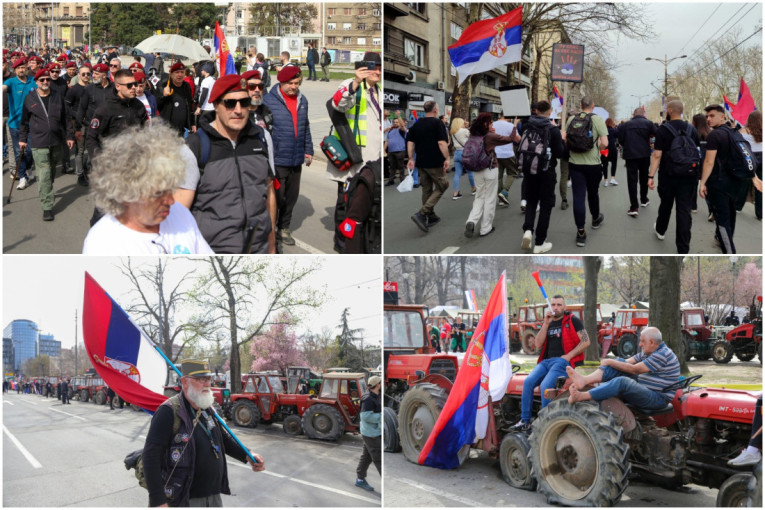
{"x": 504, "y": 128}
{"x": 178, "y": 234}
{"x": 756, "y": 146}
{"x": 207, "y": 83}
{"x": 145, "y": 101}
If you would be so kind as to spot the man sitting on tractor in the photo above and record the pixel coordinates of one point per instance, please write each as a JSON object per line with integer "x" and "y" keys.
{"x": 638, "y": 381}
{"x": 563, "y": 341}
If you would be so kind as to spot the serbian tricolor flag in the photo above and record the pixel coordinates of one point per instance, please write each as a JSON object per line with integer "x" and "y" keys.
{"x": 223, "y": 56}
{"x": 728, "y": 105}
{"x": 471, "y": 301}
{"x": 126, "y": 360}
{"x": 557, "y": 103}
{"x": 487, "y": 44}
{"x": 745, "y": 104}
{"x": 485, "y": 372}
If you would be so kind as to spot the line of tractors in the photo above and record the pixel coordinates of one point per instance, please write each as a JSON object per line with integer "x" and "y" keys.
{"x": 580, "y": 455}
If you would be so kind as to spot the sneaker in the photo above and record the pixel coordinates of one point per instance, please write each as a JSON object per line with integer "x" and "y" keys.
{"x": 581, "y": 238}
{"x": 82, "y": 180}
{"x": 47, "y": 215}
{"x": 489, "y": 232}
{"x": 390, "y": 183}
{"x": 415, "y": 185}
{"x": 360, "y": 482}
{"x": 660, "y": 236}
{"x": 596, "y": 223}
{"x": 457, "y": 196}
{"x": 521, "y": 426}
{"x": 287, "y": 237}
{"x": 469, "y": 229}
{"x": 605, "y": 184}
{"x": 526, "y": 242}
{"x": 543, "y": 248}
{"x": 568, "y": 184}
{"x": 746, "y": 458}
{"x": 23, "y": 183}
{"x": 503, "y": 197}
{"x": 433, "y": 218}
{"x": 633, "y": 212}
{"x": 563, "y": 204}
{"x": 421, "y": 221}
{"x": 646, "y": 203}
{"x": 613, "y": 182}
{"x": 523, "y": 205}
{"x": 473, "y": 191}
{"x": 711, "y": 217}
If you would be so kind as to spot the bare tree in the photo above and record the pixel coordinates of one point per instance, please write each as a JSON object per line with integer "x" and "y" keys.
{"x": 591, "y": 270}
{"x": 665, "y": 304}
{"x": 628, "y": 277}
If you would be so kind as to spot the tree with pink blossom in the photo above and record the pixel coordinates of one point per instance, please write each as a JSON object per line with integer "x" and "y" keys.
{"x": 277, "y": 348}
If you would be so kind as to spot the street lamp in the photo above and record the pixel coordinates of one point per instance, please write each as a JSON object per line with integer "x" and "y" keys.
{"x": 665, "y": 62}
{"x": 640, "y": 99}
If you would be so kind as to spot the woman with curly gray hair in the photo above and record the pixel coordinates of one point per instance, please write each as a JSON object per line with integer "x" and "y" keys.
{"x": 132, "y": 181}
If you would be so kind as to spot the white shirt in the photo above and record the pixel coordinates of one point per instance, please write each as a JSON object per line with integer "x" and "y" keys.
{"x": 178, "y": 234}
{"x": 145, "y": 101}
{"x": 504, "y": 128}
{"x": 756, "y": 146}
{"x": 208, "y": 83}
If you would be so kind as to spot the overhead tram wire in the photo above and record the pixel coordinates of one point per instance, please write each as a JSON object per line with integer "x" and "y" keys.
{"x": 733, "y": 48}
{"x": 699, "y": 29}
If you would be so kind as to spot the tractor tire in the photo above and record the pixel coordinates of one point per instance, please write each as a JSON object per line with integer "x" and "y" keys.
{"x": 722, "y": 351}
{"x": 685, "y": 343}
{"x": 292, "y": 425}
{"x": 322, "y": 421}
{"x": 749, "y": 356}
{"x": 390, "y": 431}
{"x": 246, "y": 413}
{"x": 100, "y": 398}
{"x": 628, "y": 346}
{"x": 514, "y": 462}
{"x": 84, "y": 395}
{"x": 577, "y": 455}
{"x": 527, "y": 341}
{"x": 734, "y": 491}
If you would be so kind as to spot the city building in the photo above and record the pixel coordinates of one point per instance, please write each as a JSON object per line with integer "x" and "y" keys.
{"x": 61, "y": 24}
{"x": 49, "y": 346}
{"x": 354, "y": 27}
{"x": 7, "y": 356}
{"x": 18, "y": 24}
{"x": 23, "y": 333}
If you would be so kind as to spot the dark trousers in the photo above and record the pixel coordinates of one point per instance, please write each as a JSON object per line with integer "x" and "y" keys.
{"x": 540, "y": 189}
{"x": 397, "y": 165}
{"x": 637, "y": 171}
{"x": 612, "y": 158}
{"x": 287, "y": 194}
{"x": 585, "y": 180}
{"x": 311, "y": 71}
{"x": 370, "y": 454}
{"x": 756, "y": 424}
{"x": 723, "y": 207}
{"x": 677, "y": 191}
{"x": 65, "y": 397}
{"x": 758, "y": 194}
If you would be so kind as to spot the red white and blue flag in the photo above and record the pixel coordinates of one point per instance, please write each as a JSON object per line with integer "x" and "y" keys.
{"x": 471, "y": 300}
{"x": 745, "y": 105}
{"x": 557, "y": 103}
{"x": 728, "y": 105}
{"x": 126, "y": 360}
{"x": 487, "y": 44}
{"x": 223, "y": 56}
{"x": 485, "y": 373}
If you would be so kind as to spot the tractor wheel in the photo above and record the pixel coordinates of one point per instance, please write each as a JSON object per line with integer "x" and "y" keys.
{"x": 628, "y": 346}
{"x": 722, "y": 352}
{"x": 527, "y": 340}
{"x": 322, "y": 421}
{"x": 686, "y": 346}
{"x": 746, "y": 356}
{"x": 514, "y": 462}
{"x": 577, "y": 455}
{"x": 292, "y": 425}
{"x": 100, "y": 398}
{"x": 84, "y": 395}
{"x": 246, "y": 413}
{"x": 734, "y": 491}
{"x": 390, "y": 431}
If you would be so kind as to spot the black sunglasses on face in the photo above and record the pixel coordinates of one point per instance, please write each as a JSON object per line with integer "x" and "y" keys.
{"x": 230, "y": 104}
{"x": 253, "y": 86}
{"x": 128, "y": 85}
{"x": 44, "y": 79}
{"x": 85, "y": 74}
{"x": 113, "y": 65}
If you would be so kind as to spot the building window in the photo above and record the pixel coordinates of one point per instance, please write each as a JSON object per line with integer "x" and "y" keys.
{"x": 376, "y": 27}
{"x": 415, "y": 52}
{"x": 347, "y": 26}
{"x": 79, "y": 11}
{"x": 376, "y": 41}
{"x": 239, "y": 14}
{"x": 331, "y": 11}
{"x": 347, "y": 40}
{"x": 66, "y": 11}
{"x": 362, "y": 11}
{"x": 361, "y": 41}
{"x": 331, "y": 26}
{"x": 375, "y": 12}
{"x": 456, "y": 31}
{"x": 418, "y": 7}
{"x": 347, "y": 11}
{"x": 361, "y": 26}
{"x": 332, "y": 40}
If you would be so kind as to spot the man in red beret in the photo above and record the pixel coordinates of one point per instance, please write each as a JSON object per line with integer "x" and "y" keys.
{"x": 174, "y": 104}
{"x": 34, "y": 64}
{"x": 18, "y": 88}
{"x": 93, "y": 96}
{"x": 44, "y": 123}
{"x": 293, "y": 145}
{"x": 57, "y": 83}
{"x": 233, "y": 199}
{"x": 71, "y": 72}
{"x": 260, "y": 114}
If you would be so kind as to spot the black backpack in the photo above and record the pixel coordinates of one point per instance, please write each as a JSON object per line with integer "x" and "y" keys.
{"x": 683, "y": 153}
{"x": 372, "y": 227}
{"x": 579, "y": 134}
{"x": 741, "y": 163}
{"x": 533, "y": 150}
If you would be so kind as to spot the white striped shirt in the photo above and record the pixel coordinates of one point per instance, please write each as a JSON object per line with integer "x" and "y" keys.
{"x": 664, "y": 370}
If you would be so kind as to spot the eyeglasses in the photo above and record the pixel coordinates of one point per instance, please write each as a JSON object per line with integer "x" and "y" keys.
{"x": 253, "y": 86}
{"x": 113, "y": 65}
{"x": 128, "y": 85}
{"x": 85, "y": 74}
{"x": 230, "y": 104}
{"x": 44, "y": 79}
{"x": 55, "y": 71}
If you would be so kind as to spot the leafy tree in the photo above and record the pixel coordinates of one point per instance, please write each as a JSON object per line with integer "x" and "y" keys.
{"x": 186, "y": 18}
{"x": 713, "y": 282}
{"x": 346, "y": 338}
{"x": 277, "y": 348}
{"x": 748, "y": 283}
{"x": 267, "y": 18}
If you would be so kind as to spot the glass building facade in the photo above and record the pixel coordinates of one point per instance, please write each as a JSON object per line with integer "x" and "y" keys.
{"x": 24, "y": 334}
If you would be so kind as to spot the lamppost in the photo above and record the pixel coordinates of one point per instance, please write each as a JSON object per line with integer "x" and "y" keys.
{"x": 665, "y": 62}
{"x": 640, "y": 99}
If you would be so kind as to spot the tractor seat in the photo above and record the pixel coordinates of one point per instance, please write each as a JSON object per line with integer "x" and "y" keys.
{"x": 668, "y": 409}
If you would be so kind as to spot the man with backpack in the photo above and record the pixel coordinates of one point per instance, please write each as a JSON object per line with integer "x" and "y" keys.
{"x": 729, "y": 167}
{"x": 676, "y": 157}
{"x": 586, "y": 136}
{"x": 635, "y": 136}
{"x": 540, "y": 147}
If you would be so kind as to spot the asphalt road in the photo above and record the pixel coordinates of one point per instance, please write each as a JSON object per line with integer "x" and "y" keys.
{"x": 620, "y": 234}
{"x": 312, "y": 220}
{"x": 57, "y": 456}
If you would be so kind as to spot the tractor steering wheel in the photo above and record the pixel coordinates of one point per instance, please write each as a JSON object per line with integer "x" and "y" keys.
{"x": 682, "y": 384}
{"x": 516, "y": 368}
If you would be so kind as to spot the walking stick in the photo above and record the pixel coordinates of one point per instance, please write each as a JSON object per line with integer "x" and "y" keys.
{"x": 14, "y": 174}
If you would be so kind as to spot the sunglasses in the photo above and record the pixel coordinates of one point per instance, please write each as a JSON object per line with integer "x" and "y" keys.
{"x": 128, "y": 86}
{"x": 230, "y": 104}
{"x": 85, "y": 74}
{"x": 55, "y": 71}
{"x": 44, "y": 79}
{"x": 112, "y": 65}
{"x": 253, "y": 86}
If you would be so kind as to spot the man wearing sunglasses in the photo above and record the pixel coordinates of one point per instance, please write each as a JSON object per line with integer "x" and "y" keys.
{"x": 57, "y": 83}
{"x": 44, "y": 120}
{"x": 174, "y": 102}
{"x": 260, "y": 114}
{"x": 73, "y": 98}
{"x": 71, "y": 72}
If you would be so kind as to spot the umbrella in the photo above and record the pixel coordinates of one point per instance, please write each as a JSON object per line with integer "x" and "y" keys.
{"x": 600, "y": 112}
{"x": 175, "y": 45}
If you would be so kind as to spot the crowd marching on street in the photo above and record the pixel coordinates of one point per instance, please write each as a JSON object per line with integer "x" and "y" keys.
{"x": 190, "y": 158}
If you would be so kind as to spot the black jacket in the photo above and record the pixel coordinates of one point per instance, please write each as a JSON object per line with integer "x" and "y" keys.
{"x": 92, "y": 97}
{"x": 263, "y": 117}
{"x": 556, "y": 145}
{"x": 45, "y": 126}
{"x": 176, "y": 108}
{"x": 73, "y": 97}
{"x": 634, "y": 136}
{"x": 111, "y": 118}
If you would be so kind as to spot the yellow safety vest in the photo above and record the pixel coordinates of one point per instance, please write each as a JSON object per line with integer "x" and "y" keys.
{"x": 361, "y": 136}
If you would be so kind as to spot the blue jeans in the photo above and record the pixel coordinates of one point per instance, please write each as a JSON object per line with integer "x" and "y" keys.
{"x": 416, "y": 176}
{"x": 458, "y": 172}
{"x": 626, "y": 387}
{"x": 544, "y": 375}
{"x": 26, "y": 160}
{"x": 311, "y": 70}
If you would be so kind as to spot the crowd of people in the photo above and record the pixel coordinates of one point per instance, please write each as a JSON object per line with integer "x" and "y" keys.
{"x": 711, "y": 157}
{"x": 187, "y": 161}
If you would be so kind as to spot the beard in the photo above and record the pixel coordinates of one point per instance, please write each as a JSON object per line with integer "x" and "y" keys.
{"x": 256, "y": 102}
{"x": 203, "y": 398}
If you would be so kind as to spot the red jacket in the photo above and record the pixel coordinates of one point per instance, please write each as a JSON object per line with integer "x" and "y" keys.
{"x": 570, "y": 340}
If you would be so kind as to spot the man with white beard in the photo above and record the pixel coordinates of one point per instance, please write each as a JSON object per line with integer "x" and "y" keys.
{"x": 184, "y": 456}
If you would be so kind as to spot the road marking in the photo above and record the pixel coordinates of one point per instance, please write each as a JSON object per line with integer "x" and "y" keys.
{"x": 9, "y": 403}
{"x": 21, "y": 448}
{"x": 307, "y": 247}
{"x": 449, "y": 250}
{"x": 314, "y": 485}
{"x": 439, "y": 492}
{"x": 28, "y": 402}
{"x": 68, "y": 414}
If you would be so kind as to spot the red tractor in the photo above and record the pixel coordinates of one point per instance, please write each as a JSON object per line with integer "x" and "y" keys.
{"x": 696, "y": 334}
{"x": 745, "y": 341}
{"x": 623, "y": 333}
{"x": 531, "y": 318}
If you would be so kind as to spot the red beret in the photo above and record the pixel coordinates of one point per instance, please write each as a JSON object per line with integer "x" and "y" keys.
{"x": 101, "y": 68}
{"x": 178, "y": 66}
{"x": 251, "y": 75}
{"x": 42, "y": 73}
{"x": 230, "y": 82}
{"x": 35, "y": 58}
{"x": 288, "y": 72}
{"x": 62, "y": 57}
{"x": 71, "y": 64}
{"x": 139, "y": 76}
{"x": 135, "y": 65}
{"x": 87, "y": 64}
{"x": 54, "y": 66}
{"x": 5, "y": 50}
{"x": 19, "y": 62}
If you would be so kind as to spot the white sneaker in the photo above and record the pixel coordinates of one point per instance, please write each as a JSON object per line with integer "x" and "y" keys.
{"x": 660, "y": 236}
{"x": 537, "y": 207}
{"x": 568, "y": 184}
{"x": 746, "y": 458}
{"x": 23, "y": 183}
{"x": 613, "y": 182}
{"x": 605, "y": 184}
{"x": 526, "y": 243}
{"x": 523, "y": 205}
{"x": 543, "y": 248}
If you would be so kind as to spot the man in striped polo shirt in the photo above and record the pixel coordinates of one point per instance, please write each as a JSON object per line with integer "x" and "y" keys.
{"x": 638, "y": 380}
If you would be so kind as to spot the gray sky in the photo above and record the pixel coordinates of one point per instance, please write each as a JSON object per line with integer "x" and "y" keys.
{"x": 48, "y": 290}
{"x": 674, "y": 24}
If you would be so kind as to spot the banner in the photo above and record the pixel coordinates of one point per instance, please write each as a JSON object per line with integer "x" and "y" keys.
{"x": 567, "y": 63}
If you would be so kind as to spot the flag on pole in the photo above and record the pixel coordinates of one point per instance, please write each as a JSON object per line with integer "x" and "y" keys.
{"x": 223, "y": 56}
{"x": 487, "y": 44}
{"x": 125, "y": 359}
{"x": 745, "y": 104}
{"x": 728, "y": 104}
{"x": 471, "y": 301}
{"x": 557, "y": 103}
{"x": 485, "y": 372}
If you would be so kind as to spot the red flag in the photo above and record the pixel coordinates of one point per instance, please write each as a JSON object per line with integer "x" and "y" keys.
{"x": 745, "y": 104}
